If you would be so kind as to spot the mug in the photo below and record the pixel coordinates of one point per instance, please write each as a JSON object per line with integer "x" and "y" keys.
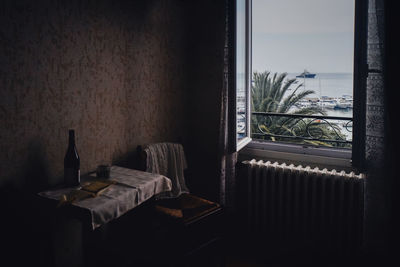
{"x": 103, "y": 171}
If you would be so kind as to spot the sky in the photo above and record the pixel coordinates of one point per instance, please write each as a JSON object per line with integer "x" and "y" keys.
{"x": 293, "y": 35}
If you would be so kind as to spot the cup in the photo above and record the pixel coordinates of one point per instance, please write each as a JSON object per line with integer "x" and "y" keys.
{"x": 103, "y": 171}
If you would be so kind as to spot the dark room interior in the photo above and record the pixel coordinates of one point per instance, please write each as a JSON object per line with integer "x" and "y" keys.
{"x": 123, "y": 74}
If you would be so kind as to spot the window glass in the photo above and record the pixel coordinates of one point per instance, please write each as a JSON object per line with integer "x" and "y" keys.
{"x": 241, "y": 69}
{"x": 302, "y": 78}
{"x": 242, "y": 73}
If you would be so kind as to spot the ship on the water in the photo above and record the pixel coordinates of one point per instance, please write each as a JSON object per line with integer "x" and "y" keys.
{"x": 306, "y": 74}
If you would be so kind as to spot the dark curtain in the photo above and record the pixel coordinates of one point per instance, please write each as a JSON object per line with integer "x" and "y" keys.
{"x": 381, "y": 145}
{"x": 226, "y": 159}
{"x": 392, "y": 96}
{"x": 376, "y": 206}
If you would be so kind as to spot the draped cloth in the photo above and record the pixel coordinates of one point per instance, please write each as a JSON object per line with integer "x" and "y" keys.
{"x": 168, "y": 159}
{"x": 226, "y": 159}
{"x": 128, "y": 189}
{"x": 377, "y": 198}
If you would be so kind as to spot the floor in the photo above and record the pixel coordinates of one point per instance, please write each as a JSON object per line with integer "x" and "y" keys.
{"x": 245, "y": 253}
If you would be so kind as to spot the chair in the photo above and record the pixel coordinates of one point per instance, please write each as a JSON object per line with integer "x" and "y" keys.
{"x": 192, "y": 222}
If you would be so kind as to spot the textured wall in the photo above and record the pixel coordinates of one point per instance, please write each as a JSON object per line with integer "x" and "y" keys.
{"x": 111, "y": 70}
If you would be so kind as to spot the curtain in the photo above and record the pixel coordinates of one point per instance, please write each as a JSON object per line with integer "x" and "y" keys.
{"x": 227, "y": 159}
{"x": 377, "y": 196}
{"x": 392, "y": 140}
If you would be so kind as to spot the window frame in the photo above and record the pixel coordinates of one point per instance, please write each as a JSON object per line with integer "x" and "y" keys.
{"x": 360, "y": 74}
{"x": 237, "y": 145}
{"x": 354, "y": 155}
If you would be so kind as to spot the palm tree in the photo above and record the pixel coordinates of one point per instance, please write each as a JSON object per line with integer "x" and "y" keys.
{"x": 269, "y": 94}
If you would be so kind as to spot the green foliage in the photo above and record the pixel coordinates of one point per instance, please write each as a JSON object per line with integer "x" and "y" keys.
{"x": 270, "y": 94}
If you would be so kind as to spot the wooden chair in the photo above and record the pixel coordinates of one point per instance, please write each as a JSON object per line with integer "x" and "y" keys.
{"x": 192, "y": 222}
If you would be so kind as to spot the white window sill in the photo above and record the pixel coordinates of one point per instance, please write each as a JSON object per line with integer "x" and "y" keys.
{"x": 330, "y": 158}
{"x": 242, "y": 143}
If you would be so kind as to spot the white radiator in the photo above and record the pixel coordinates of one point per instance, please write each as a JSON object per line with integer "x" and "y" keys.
{"x": 303, "y": 206}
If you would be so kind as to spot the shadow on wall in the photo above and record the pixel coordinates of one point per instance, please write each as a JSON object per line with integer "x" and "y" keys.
{"x": 128, "y": 160}
{"x": 35, "y": 176}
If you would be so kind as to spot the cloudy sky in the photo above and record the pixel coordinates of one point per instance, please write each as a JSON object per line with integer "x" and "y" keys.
{"x": 293, "y": 35}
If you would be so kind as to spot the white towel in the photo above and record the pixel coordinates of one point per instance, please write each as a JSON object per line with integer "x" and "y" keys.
{"x": 168, "y": 159}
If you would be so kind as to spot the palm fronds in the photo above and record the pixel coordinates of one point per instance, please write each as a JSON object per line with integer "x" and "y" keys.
{"x": 270, "y": 94}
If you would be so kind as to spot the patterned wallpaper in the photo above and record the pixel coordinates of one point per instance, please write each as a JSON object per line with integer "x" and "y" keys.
{"x": 111, "y": 70}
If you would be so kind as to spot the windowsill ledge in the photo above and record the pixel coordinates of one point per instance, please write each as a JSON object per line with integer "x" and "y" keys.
{"x": 330, "y": 158}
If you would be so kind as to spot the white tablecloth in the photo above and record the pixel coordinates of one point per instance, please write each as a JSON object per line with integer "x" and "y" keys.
{"x": 133, "y": 187}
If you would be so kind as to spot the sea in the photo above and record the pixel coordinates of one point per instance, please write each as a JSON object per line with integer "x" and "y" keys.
{"x": 331, "y": 85}
{"x": 328, "y": 85}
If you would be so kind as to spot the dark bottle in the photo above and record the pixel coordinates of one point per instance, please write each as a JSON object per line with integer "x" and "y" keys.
{"x": 71, "y": 162}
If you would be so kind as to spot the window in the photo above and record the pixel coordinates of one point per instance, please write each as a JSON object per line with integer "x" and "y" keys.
{"x": 308, "y": 61}
{"x": 242, "y": 72}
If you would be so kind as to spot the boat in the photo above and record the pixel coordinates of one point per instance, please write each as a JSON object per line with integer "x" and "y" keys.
{"x": 344, "y": 102}
{"x": 303, "y": 104}
{"x": 306, "y": 74}
{"x": 327, "y": 104}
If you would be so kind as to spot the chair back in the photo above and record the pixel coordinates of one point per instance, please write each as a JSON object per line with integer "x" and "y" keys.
{"x": 167, "y": 159}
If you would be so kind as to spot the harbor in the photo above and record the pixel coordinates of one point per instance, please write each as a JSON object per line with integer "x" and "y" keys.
{"x": 333, "y": 93}
{"x": 345, "y": 102}
{"x": 331, "y": 97}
